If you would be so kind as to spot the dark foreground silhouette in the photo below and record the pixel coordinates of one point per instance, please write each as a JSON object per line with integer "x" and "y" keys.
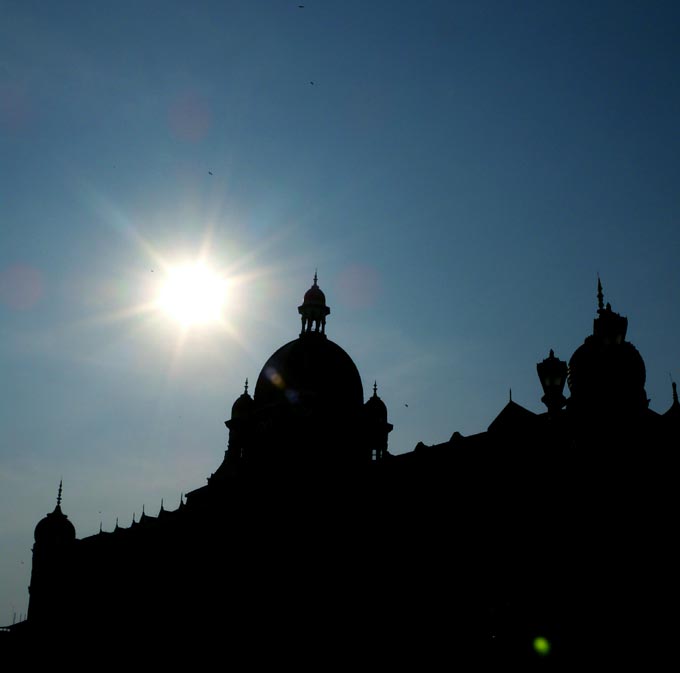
{"x": 544, "y": 542}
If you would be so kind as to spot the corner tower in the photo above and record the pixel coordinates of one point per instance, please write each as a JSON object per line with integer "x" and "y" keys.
{"x": 607, "y": 373}
{"x": 51, "y": 575}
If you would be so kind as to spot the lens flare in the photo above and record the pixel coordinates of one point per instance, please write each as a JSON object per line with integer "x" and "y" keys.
{"x": 541, "y": 646}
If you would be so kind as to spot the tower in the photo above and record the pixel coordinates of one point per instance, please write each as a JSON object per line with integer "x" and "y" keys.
{"x": 54, "y": 546}
{"x": 607, "y": 373}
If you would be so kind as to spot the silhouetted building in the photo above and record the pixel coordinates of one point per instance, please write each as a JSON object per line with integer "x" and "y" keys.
{"x": 311, "y": 544}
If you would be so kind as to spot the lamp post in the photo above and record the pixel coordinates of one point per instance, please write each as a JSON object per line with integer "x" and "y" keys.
{"x": 552, "y": 373}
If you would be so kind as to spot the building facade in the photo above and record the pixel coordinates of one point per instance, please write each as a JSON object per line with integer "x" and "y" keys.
{"x": 312, "y": 545}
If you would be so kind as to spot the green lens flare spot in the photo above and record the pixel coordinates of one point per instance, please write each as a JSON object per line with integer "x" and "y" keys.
{"x": 541, "y": 646}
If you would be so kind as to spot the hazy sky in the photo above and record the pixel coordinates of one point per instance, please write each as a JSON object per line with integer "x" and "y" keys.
{"x": 458, "y": 172}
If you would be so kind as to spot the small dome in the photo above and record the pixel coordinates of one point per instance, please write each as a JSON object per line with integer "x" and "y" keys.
{"x": 243, "y": 407}
{"x": 375, "y": 407}
{"x": 55, "y": 528}
{"x": 315, "y": 296}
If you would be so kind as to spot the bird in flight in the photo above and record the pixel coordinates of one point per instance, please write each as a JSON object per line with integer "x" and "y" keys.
{"x": 209, "y": 172}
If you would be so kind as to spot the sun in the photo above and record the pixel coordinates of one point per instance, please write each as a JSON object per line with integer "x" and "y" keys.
{"x": 193, "y": 294}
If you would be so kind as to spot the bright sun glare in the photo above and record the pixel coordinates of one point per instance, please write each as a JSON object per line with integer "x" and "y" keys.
{"x": 193, "y": 295}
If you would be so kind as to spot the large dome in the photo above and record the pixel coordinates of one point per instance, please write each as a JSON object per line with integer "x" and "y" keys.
{"x": 607, "y": 375}
{"x": 310, "y": 371}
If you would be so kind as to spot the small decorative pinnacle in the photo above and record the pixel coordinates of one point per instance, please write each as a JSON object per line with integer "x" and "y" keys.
{"x": 161, "y": 504}
{"x": 600, "y": 294}
{"x": 315, "y": 276}
{"x": 116, "y": 522}
{"x": 246, "y": 389}
{"x": 552, "y": 353}
{"x": 675, "y": 393}
{"x": 59, "y": 494}
{"x": 100, "y": 527}
{"x": 510, "y": 394}
{"x": 375, "y": 389}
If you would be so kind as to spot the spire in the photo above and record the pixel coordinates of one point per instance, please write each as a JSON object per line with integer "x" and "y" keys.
{"x": 375, "y": 389}
{"x": 315, "y": 278}
{"x": 674, "y": 410}
{"x": 609, "y": 326}
{"x": 600, "y": 294}
{"x": 59, "y": 493}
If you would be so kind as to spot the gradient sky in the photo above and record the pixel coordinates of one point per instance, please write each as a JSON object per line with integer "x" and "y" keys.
{"x": 458, "y": 172}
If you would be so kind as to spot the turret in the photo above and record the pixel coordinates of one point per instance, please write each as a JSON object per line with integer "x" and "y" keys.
{"x": 377, "y": 426}
{"x": 55, "y": 538}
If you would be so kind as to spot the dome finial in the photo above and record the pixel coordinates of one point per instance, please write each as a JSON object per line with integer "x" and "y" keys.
{"x": 246, "y": 388}
{"x": 59, "y": 493}
{"x": 313, "y": 310}
{"x": 600, "y": 294}
{"x": 375, "y": 389}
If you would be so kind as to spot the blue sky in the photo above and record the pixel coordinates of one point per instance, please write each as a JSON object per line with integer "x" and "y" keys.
{"x": 458, "y": 172}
